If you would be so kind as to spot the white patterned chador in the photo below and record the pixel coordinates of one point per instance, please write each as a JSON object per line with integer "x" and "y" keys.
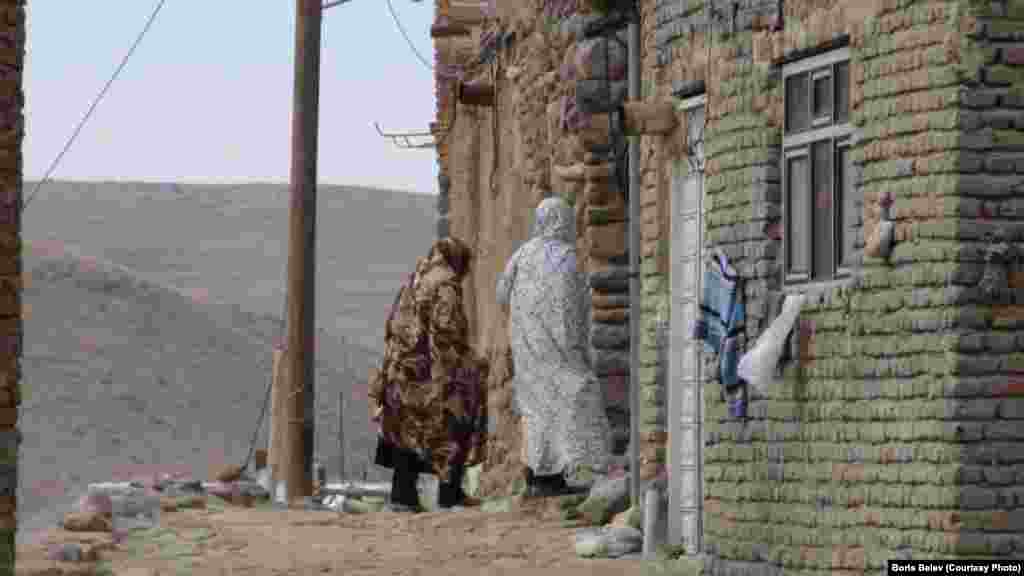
{"x": 557, "y": 394}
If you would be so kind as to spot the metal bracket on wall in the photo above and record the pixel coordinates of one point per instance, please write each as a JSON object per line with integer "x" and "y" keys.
{"x": 612, "y": 22}
{"x": 408, "y": 140}
{"x": 1001, "y": 258}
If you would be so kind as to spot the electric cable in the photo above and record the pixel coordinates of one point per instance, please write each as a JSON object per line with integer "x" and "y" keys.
{"x": 95, "y": 103}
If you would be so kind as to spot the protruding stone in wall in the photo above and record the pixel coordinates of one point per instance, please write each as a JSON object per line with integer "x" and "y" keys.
{"x": 596, "y": 96}
{"x": 609, "y": 336}
{"x": 572, "y": 173}
{"x": 601, "y": 59}
{"x": 443, "y": 227}
{"x": 607, "y": 301}
{"x": 607, "y": 240}
{"x": 611, "y": 316}
{"x": 595, "y": 133}
{"x": 611, "y": 362}
{"x": 613, "y": 279}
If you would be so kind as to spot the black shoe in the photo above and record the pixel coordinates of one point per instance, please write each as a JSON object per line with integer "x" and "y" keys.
{"x": 531, "y": 483}
{"x": 547, "y": 486}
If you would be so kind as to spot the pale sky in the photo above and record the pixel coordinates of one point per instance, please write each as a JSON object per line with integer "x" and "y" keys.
{"x": 207, "y": 96}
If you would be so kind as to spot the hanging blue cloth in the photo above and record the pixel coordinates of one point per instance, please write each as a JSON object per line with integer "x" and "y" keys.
{"x": 722, "y": 316}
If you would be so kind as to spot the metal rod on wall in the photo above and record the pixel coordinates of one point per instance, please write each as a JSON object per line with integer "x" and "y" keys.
{"x": 634, "y": 267}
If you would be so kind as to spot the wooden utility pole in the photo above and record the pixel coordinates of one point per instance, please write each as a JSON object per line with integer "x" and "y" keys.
{"x": 301, "y": 326}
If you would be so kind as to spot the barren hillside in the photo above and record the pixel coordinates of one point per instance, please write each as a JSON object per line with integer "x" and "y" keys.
{"x": 152, "y": 312}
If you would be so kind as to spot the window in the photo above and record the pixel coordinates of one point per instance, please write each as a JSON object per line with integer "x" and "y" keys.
{"x": 821, "y": 212}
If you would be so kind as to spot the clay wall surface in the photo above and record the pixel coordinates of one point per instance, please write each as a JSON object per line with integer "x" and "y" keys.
{"x": 12, "y": 129}
{"x": 490, "y": 187}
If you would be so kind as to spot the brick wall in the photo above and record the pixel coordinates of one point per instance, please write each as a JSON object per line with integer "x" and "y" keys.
{"x": 896, "y": 431}
{"x": 12, "y": 58}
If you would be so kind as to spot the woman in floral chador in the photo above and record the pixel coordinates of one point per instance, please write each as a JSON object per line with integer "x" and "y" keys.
{"x": 558, "y": 396}
{"x": 428, "y": 396}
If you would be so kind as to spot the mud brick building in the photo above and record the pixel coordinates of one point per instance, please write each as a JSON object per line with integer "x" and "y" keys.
{"x": 12, "y": 60}
{"x": 782, "y": 134}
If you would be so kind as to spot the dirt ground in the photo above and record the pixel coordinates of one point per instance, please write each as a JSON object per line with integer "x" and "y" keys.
{"x": 530, "y": 539}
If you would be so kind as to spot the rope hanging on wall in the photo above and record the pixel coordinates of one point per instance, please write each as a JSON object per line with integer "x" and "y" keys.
{"x": 495, "y": 138}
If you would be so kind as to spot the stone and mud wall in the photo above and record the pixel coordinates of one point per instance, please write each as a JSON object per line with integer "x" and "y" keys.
{"x": 12, "y": 130}
{"x": 498, "y": 161}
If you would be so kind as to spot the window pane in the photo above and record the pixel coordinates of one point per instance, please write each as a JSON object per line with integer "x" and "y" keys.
{"x": 823, "y": 96}
{"x": 849, "y": 215}
{"x": 797, "y": 106}
{"x": 842, "y": 92}
{"x": 821, "y": 245}
{"x": 798, "y": 210}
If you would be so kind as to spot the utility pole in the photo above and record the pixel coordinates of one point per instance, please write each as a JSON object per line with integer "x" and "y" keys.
{"x": 301, "y": 326}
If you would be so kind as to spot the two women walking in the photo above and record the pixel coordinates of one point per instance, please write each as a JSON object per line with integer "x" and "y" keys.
{"x": 429, "y": 396}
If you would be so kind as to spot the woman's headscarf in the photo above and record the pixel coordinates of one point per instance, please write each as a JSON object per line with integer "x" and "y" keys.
{"x": 553, "y": 235}
{"x": 451, "y": 253}
{"x": 555, "y": 219}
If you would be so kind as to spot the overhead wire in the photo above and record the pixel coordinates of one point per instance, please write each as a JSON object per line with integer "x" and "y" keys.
{"x": 47, "y": 175}
{"x": 95, "y": 103}
{"x": 408, "y": 40}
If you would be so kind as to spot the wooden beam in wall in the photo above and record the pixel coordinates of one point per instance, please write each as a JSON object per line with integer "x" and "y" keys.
{"x": 654, "y": 117}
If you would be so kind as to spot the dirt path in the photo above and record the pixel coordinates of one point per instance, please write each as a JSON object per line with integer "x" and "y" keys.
{"x": 528, "y": 540}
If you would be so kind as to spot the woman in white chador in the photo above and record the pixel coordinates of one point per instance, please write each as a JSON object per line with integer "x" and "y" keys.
{"x": 558, "y": 396}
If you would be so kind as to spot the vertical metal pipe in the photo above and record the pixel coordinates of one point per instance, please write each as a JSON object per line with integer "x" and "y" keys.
{"x": 634, "y": 265}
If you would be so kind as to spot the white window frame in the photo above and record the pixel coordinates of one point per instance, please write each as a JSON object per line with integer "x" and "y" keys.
{"x": 678, "y": 331}
{"x": 799, "y": 144}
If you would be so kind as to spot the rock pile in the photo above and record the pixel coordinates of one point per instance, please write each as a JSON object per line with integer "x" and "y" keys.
{"x": 617, "y": 529}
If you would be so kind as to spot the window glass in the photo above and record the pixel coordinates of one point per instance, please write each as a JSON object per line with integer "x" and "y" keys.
{"x": 849, "y": 215}
{"x": 797, "y": 106}
{"x": 842, "y": 75}
{"x": 822, "y": 96}
{"x": 822, "y": 209}
{"x": 821, "y": 244}
{"x": 798, "y": 207}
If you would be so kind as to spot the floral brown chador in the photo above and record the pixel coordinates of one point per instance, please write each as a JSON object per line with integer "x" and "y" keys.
{"x": 429, "y": 393}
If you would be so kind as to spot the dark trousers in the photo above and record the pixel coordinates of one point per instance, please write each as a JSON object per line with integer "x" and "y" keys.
{"x": 407, "y": 467}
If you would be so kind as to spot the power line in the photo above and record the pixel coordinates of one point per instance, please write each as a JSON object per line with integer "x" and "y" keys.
{"x": 398, "y": 23}
{"x": 95, "y": 103}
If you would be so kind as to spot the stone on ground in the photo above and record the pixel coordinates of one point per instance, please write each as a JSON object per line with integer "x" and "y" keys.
{"x": 360, "y": 506}
{"x": 87, "y": 522}
{"x": 230, "y": 474}
{"x": 139, "y": 572}
{"x": 608, "y": 542}
{"x": 582, "y": 477}
{"x": 427, "y": 486}
{"x": 471, "y": 481}
{"x": 498, "y": 505}
{"x": 95, "y": 503}
{"x": 69, "y": 552}
{"x": 175, "y": 503}
{"x": 633, "y": 518}
{"x": 608, "y": 497}
{"x": 682, "y": 566}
